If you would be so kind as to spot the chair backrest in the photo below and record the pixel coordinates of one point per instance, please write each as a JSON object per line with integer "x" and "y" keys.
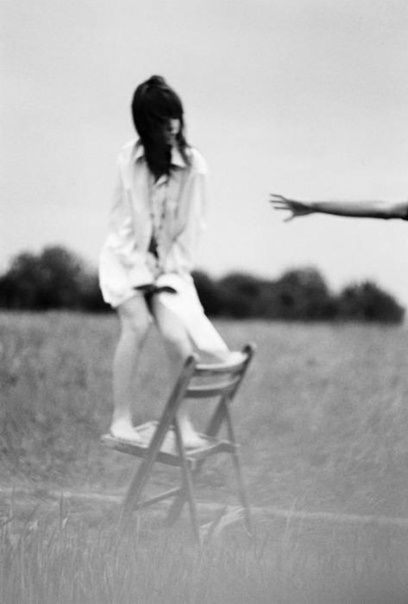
{"x": 220, "y": 379}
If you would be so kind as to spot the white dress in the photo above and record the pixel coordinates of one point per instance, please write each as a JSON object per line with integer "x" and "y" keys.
{"x": 173, "y": 208}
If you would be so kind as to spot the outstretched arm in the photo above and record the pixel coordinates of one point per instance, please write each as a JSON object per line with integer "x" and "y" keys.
{"x": 369, "y": 209}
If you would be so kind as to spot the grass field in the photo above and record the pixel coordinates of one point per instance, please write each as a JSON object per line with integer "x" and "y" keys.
{"x": 323, "y": 423}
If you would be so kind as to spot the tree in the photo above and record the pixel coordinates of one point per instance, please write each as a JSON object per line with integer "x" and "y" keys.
{"x": 367, "y": 302}
{"x": 56, "y": 278}
{"x": 209, "y": 293}
{"x": 303, "y": 294}
{"x": 18, "y": 285}
{"x": 240, "y": 293}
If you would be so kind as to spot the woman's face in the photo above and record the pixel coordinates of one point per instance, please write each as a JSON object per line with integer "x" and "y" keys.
{"x": 170, "y": 130}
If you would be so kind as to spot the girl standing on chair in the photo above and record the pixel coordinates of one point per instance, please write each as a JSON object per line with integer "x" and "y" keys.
{"x": 155, "y": 224}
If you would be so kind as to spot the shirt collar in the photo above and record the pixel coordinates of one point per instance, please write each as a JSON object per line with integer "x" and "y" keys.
{"x": 176, "y": 157}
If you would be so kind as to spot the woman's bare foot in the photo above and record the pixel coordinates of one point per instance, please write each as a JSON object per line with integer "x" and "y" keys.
{"x": 222, "y": 356}
{"x": 191, "y": 438}
{"x": 122, "y": 428}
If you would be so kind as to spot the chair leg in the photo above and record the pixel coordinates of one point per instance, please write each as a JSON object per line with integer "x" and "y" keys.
{"x": 140, "y": 478}
{"x": 242, "y": 492}
{"x": 134, "y": 491}
{"x": 238, "y": 471}
{"x": 188, "y": 493}
{"x": 178, "y": 503}
{"x": 212, "y": 430}
{"x": 175, "y": 509}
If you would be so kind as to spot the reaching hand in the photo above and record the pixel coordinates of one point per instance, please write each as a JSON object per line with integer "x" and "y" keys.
{"x": 297, "y": 208}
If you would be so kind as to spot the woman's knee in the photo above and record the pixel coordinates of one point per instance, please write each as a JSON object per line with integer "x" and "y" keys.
{"x": 134, "y": 318}
{"x": 177, "y": 347}
{"x": 175, "y": 339}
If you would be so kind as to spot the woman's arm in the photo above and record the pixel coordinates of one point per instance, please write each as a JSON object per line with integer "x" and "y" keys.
{"x": 368, "y": 208}
{"x": 122, "y": 265}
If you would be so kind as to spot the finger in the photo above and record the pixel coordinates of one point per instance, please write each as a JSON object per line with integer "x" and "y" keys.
{"x": 284, "y": 205}
{"x": 281, "y": 197}
{"x": 277, "y": 197}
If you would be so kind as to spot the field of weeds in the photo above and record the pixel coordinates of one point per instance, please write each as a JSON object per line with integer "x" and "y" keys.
{"x": 78, "y": 558}
{"x": 323, "y": 423}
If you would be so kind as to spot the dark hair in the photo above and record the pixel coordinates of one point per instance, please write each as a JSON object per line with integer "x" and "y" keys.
{"x": 154, "y": 103}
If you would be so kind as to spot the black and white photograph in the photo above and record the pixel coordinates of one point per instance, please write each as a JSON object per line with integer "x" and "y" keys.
{"x": 203, "y": 302}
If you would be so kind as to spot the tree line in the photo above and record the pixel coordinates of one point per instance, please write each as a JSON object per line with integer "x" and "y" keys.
{"x": 57, "y": 278}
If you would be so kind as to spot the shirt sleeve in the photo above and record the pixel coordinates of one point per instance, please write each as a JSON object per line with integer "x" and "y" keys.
{"x": 122, "y": 266}
{"x": 121, "y": 236}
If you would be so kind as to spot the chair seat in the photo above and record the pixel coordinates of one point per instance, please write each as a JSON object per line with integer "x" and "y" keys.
{"x": 168, "y": 452}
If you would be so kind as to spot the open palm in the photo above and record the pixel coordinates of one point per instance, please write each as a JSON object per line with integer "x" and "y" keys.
{"x": 295, "y": 207}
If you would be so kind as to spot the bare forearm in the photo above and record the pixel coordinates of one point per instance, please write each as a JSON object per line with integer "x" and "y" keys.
{"x": 364, "y": 208}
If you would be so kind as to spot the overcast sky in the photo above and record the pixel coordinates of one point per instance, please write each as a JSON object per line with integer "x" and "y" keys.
{"x": 303, "y": 97}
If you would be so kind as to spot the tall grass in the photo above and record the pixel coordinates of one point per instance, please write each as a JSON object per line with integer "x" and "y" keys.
{"x": 322, "y": 417}
{"x": 323, "y": 423}
{"x": 82, "y": 560}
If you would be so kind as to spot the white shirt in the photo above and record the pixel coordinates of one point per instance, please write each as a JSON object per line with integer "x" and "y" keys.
{"x": 174, "y": 205}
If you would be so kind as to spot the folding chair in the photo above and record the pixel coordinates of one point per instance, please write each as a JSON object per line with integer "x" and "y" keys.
{"x": 163, "y": 441}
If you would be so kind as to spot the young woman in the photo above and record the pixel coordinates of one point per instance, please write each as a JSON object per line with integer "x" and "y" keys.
{"x": 356, "y": 209}
{"x": 155, "y": 223}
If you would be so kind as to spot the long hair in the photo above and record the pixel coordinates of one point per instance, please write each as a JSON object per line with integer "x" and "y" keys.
{"x": 154, "y": 103}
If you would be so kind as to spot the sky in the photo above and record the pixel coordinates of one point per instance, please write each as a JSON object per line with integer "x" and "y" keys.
{"x": 307, "y": 98}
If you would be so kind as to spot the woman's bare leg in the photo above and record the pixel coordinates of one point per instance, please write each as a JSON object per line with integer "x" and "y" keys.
{"x": 135, "y": 321}
{"x": 178, "y": 347}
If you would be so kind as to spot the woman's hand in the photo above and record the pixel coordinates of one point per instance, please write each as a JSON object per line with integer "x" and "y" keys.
{"x": 295, "y": 207}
